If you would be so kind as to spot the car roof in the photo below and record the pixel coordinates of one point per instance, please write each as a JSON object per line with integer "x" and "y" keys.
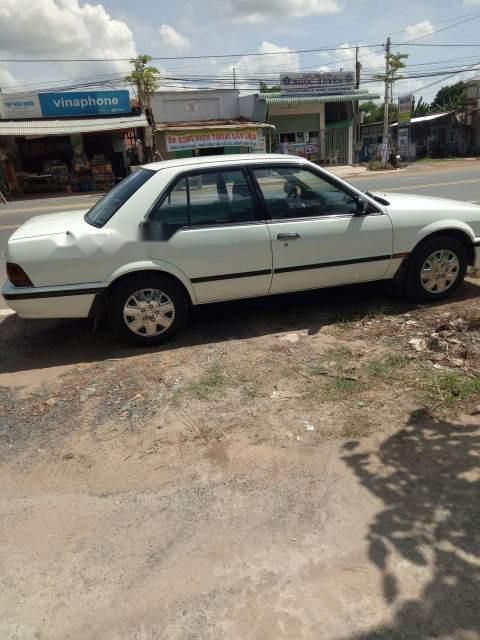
{"x": 243, "y": 158}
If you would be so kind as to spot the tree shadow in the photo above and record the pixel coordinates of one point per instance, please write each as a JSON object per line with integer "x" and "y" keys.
{"x": 428, "y": 477}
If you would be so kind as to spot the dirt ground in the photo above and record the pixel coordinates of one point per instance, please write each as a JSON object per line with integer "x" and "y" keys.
{"x": 305, "y": 467}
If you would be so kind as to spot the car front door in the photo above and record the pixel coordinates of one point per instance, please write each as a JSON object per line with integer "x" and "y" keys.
{"x": 318, "y": 238}
{"x": 208, "y": 225}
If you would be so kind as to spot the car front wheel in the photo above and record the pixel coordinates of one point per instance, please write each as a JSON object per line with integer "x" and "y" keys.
{"x": 147, "y": 309}
{"x": 436, "y": 269}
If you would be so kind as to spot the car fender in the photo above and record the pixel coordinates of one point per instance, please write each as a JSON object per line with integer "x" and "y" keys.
{"x": 429, "y": 229}
{"x": 155, "y": 265}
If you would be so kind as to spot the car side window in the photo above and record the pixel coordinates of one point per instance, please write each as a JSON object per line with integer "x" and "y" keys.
{"x": 173, "y": 209}
{"x": 295, "y": 192}
{"x": 220, "y": 197}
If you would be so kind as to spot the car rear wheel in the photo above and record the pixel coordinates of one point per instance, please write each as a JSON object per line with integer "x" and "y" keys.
{"x": 147, "y": 309}
{"x": 436, "y": 269}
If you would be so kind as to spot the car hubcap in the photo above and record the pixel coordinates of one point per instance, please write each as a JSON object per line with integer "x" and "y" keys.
{"x": 440, "y": 271}
{"x": 149, "y": 312}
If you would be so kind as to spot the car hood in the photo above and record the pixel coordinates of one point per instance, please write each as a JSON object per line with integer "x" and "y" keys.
{"x": 411, "y": 202}
{"x": 51, "y": 224}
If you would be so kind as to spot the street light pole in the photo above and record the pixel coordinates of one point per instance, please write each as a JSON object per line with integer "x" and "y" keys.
{"x": 386, "y": 100}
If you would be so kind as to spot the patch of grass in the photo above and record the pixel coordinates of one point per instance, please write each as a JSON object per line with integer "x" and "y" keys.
{"x": 345, "y": 386}
{"x": 338, "y": 354}
{"x": 211, "y": 381}
{"x": 452, "y": 386}
{"x": 387, "y": 367}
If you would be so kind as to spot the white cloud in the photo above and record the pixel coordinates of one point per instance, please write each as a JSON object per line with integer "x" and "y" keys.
{"x": 170, "y": 38}
{"x": 65, "y": 29}
{"x": 419, "y": 30}
{"x": 286, "y": 60}
{"x": 471, "y": 3}
{"x": 253, "y": 11}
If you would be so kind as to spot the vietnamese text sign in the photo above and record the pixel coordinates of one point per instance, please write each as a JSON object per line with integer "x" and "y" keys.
{"x": 404, "y": 108}
{"x": 328, "y": 82}
{"x": 403, "y": 141}
{"x": 215, "y": 138}
{"x": 24, "y": 105}
{"x": 83, "y": 103}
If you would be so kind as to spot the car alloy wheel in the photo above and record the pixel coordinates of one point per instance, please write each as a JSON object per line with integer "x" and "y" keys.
{"x": 440, "y": 271}
{"x": 149, "y": 312}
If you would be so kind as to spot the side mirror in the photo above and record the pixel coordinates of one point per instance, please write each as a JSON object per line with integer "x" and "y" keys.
{"x": 362, "y": 206}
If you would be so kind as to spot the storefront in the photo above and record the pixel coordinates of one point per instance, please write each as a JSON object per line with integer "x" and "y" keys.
{"x": 200, "y": 138}
{"x": 64, "y": 142}
{"x": 313, "y": 115}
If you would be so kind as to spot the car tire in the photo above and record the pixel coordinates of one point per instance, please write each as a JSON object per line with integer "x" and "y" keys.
{"x": 148, "y": 309}
{"x": 436, "y": 269}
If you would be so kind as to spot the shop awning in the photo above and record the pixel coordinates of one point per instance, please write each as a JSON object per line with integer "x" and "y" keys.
{"x": 276, "y": 98}
{"x": 52, "y": 127}
{"x": 196, "y": 125}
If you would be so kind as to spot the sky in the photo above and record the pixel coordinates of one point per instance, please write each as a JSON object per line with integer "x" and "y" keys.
{"x": 53, "y": 29}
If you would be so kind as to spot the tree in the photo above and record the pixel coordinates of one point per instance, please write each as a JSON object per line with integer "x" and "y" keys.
{"x": 395, "y": 63}
{"x": 374, "y": 112}
{"x": 264, "y": 88}
{"x": 420, "y": 108}
{"x": 145, "y": 78}
{"x": 450, "y": 97}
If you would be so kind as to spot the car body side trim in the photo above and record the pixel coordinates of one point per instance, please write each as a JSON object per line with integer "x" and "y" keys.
{"x": 50, "y": 293}
{"x": 336, "y": 263}
{"x": 302, "y": 267}
{"x": 231, "y": 276}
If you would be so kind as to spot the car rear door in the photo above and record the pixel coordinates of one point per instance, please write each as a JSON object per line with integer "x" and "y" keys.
{"x": 208, "y": 224}
{"x": 318, "y": 239}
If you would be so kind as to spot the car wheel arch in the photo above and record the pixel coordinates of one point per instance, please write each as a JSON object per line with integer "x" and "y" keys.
{"x": 158, "y": 272}
{"x": 459, "y": 234}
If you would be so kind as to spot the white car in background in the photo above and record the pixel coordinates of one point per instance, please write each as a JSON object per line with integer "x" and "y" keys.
{"x": 199, "y": 230}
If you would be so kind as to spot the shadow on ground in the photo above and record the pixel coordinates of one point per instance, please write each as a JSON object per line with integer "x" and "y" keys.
{"x": 427, "y": 476}
{"x": 35, "y": 344}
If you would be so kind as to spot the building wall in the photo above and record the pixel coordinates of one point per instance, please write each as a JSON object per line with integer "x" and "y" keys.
{"x": 177, "y": 106}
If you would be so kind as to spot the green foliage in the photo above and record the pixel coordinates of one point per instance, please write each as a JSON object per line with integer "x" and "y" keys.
{"x": 420, "y": 108}
{"x": 375, "y": 165}
{"x": 453, "y": 386}
{"x": 144, "y": 77}
{"x": 450, "y": 97}
{"x": 374, "y": 112}
{"x": 264, "y": 88}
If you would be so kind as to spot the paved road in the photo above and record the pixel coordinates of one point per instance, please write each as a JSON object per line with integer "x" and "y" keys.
{"x": 460, "y": 183}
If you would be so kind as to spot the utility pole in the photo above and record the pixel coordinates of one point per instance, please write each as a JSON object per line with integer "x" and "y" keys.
{"x": 356, "y": 111}
{"x": 387, "y": 97}
{"x": 234, "y": 78}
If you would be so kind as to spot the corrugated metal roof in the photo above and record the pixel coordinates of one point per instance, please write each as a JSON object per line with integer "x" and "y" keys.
{"x": 273, "y": 98}
{"x": 432, "y": 116}
{"x": 51, "y": 127}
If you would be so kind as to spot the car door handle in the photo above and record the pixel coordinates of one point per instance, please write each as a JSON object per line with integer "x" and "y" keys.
{"x": 288, "y": 236}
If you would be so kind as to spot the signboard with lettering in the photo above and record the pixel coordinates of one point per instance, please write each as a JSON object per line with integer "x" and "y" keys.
{"x": 22, "y": 105}
{"x": 318, "y": 83}
{"x": 206, "y": 139}
{"x": 405, "y": 108}
{"x": 84, "y": 103}
{"x": 402, "y": 140}
{"x": 67, "y": 103}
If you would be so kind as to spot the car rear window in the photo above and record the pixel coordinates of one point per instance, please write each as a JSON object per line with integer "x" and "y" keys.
{"x": 105, "y": 208}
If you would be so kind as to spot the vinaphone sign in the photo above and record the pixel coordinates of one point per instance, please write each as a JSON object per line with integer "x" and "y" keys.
{"x": 66, "y": 103}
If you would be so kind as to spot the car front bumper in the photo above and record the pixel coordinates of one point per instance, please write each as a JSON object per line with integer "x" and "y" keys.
{"x": 70, "y": 301}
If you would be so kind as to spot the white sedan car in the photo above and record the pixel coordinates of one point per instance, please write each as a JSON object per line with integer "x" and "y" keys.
{"x": 199, "y": 230}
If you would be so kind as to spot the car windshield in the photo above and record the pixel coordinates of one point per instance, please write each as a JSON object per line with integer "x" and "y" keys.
{"x": 111, "y": 203}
